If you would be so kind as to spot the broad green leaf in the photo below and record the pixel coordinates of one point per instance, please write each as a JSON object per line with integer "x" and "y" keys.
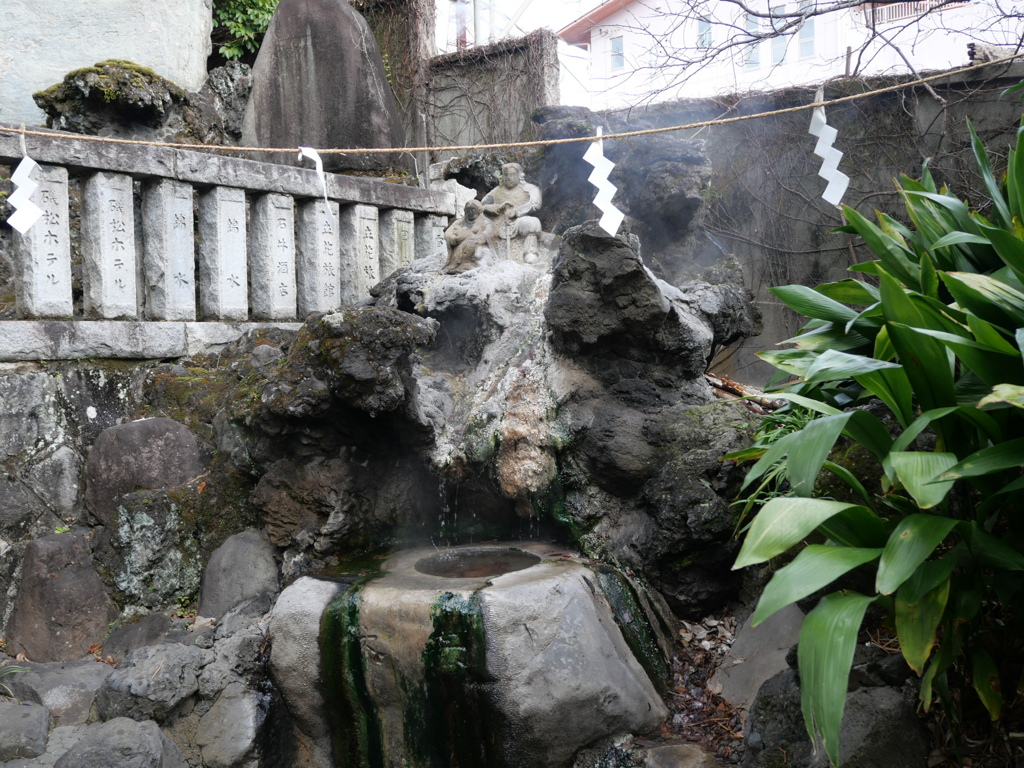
{"x": 918, "y": 621}
{"x": 781, "y": 523}
{"x": 893, "y": 256}
{"x": 815, "y": 567}
{"x": 955, "y": 238}
{"x": 929, "y": 277}
{"x": 857, "y": 527}
{"x": 807, "y": 402}
{"x": 867, "y": 430}
{"x": 849, "y": 478}
{"x": 883, "y": 346}
{"x": 849, "y": 291}
{"x": 985, "y": 677}
{"x": 992, "y": 365}
{"x": 991, "y": 551}
{"x": 986, "y": 333}
{"x": 828, "y": 638}
{"x": 1012, "y": 394}
{"x": 998, "y": 202}
{"x": 989, "y": 460}
{"x": 792, "y": 361}
{"x": 836, "y": 366}
{"x": 893, "y": 388}
{"x": 808, "y": 301}
{"x": 1009, "y": 248}
{"x": 914, "y": 539}
{"x": 917, "y": 471}
{"x": 990, "y": 299}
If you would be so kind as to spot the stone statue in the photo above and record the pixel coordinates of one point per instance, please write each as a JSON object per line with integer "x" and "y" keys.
{"x": 509, "y": 205}
{"x": 469, "y": 239}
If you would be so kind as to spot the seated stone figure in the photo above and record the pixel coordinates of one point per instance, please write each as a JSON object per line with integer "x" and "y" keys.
{"x": 470, "y": 239}
{"x": 510, "y": 204}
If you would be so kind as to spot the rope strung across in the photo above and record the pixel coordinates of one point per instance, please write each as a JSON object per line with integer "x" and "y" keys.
{"x": 526, "y": 144}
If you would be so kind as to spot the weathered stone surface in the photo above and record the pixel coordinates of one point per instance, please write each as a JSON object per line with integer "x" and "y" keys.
{"x": 123, "y": 743}
{"x": 140, "y": 455}
{"x": 242, "y": 567}
{"x": 46, "y": 39}
{"x": 204, "y": 169}
{"x": 272, "y": 258}
{"x": 61, "y": 608}
{"x": 168, "y": 230}
{"x": 151, "y": 630}
{"x": 756, "y": 655}
{"x": 152, "y": 556}
{"x": 108, "y": 247}
{"x": 23, "y": 730}
{"x": 43, "y": 254}
{"x": 361, "y": 259}
{"x": 318, "y": 258}
{"x": 61, "y": 739}
{"x": 880, "y": 727}
{"x": 237, "y": 659}
{"x": 397, "y": 241}
{"x": 319, "y": 81}
{"x": 66, "y": 690}
{"x": 228, "y": 732}
{"x": 295, "y": 664}
{"x": 155, "y": 682}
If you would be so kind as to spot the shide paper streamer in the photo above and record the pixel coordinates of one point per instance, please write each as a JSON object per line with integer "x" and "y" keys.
{"x": 612, "y": 217}
{"x": 837, "y": 181}
{"x": 26, "y": 213}
{"x": 313, "y": 155}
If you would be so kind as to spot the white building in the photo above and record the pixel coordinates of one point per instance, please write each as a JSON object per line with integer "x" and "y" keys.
{"x": 643, "y": 51}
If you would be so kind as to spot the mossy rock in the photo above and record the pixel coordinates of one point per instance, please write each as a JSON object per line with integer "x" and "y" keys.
{"x": 111, "y": 91}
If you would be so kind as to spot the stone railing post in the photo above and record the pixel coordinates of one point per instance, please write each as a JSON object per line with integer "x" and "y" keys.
{"x": 169, "y": 260}
{"x": 109, "y": 265}
{"x": 272, "y": 258}
{"x": 397, "y": 241}
{"x": 43, "y": 254}
{"x": 319, "y": 258}
{"x": 359, "y": 241}
{"x": 223, "y": 268}
{"x": 430, "y": 237}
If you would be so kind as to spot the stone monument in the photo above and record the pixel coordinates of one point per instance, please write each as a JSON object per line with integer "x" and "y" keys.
{"x": 319, "y": 81}
{"x": 509, "y": 205}
{"x": 470, "y": 240}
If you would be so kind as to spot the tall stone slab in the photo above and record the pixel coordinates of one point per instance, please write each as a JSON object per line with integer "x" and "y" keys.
{"x": 43, "y": 254}
{"x": 272, "y": 258}
{"x": 360, "y": 252}
{"x": 319, "y": 258}
{"x": 223, "y": 268}
{"x": 108, "y": 247}
{"x": 397, "y": 240}
{"x": 43, "y": 40}
{"x": 169, "y": 260}
{"x": 430, "y": 242}
{"x": 319, "y": 81}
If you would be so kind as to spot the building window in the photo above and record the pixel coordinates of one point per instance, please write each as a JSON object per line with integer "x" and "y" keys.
{"x": 807, "y": 33}
{"x": 754, "y": 50}
{"x": 704, "y": 38}
{"x": 618, "y": 56}
{"x": 780, "y": 42}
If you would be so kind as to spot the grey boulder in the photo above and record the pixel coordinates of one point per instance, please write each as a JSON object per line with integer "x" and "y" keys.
{"x": 242, "y": 567}
{"x": 123, "y": 743}
{"x": 23, "y": 729}
{"x": 66, "y": 690}
{"x": 156, "y": 682}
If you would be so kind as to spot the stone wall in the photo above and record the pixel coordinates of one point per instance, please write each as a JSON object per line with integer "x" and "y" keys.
{"x": 765, "y": 194}
{"x": 45, "y": 39}
{"x": 485, "y": 95}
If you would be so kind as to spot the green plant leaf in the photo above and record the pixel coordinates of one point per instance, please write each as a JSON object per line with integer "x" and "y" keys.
{"x": 992, "y": 365}
{"x": 1012, "y": 394}
{"x": 917, "y": 471}
{"x": 893, "y": 256}
{"x": 808, "y": 301}
{"x": 985, "y": 677}
{"x": 810, "y": 448}
{"x": 849, "y": 478}
{"x": 998, "y": 202}
{"x": 914, "y": 539}
{"x": 849, "y": 291}
{"x": 917, "y": 620}
{"x": 955, "y": 238}
{"x": 892, "y": 387}
{"x": 815, "y": 567}
{"x": 783, "y": 522}
{"x": 1009, "y": 248}
{"x": 991, "y": 551}
{"x": 989, "y": 460}
{"x": 993, "y": 300}
{"x": 856, "y": 527}
{"x": 827, "y": 641}
{"x": 833, "y": 365}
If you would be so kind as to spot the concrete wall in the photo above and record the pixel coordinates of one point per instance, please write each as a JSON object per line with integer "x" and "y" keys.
{"x": 765, "y": 194}
{"x": 42, "y": 40}
{"x": 486, "y": 94}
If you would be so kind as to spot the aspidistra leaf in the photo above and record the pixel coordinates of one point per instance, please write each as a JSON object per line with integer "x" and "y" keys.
{"x": 783, "y": 522}
{"x": 913, "y": 541}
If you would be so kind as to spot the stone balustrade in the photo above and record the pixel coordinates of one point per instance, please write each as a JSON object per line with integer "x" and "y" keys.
{"x": 196, "y": 247}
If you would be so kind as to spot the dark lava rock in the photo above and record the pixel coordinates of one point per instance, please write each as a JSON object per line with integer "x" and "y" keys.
{"x": 151, "y": 630}
{"x": 319, "y": 81}
{"x": 155, "y": 682}
{"x": 67, "y": 690}
{"x": 61, "y": 608}
{"x": 123, "y": 743}
{"x": 241, "y": 568}
{"x": 23, "y": 730}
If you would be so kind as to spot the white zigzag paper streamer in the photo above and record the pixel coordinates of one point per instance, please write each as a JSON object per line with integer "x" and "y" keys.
{"x": 612, "y": 217}
{"x": 837, "y": 181}
{"x": 26, "y": 213}
{"x": 313, "y": 155}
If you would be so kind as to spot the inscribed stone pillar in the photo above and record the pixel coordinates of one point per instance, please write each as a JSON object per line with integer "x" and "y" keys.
{"x": 319, "y": 81}
{"x": 360, "y": 262}
{"x": 272, "y": 258}
{"x": 169, "y": 260}
{"x": 397, "y": 236}
{"x": 223, "y": 270}
{"x": 319, "y": 258}
{"x": 43, "y": 254}
{"x": 430, "y": 237}
{"x": 108, "y": 247}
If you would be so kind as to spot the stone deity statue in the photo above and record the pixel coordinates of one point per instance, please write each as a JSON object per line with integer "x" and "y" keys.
{"x": 470, "y": 240}
{"x": 510, "y": 204}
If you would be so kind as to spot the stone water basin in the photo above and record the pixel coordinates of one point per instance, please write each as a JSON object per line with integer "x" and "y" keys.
{"x": 493, "y": 656}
